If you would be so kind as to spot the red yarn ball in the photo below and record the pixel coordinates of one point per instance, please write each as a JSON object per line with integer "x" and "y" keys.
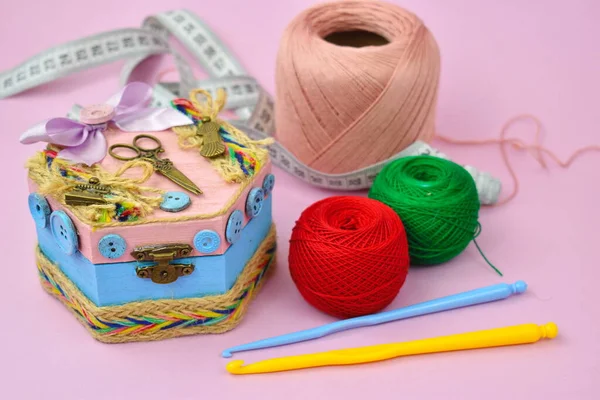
{"x": 349, "y": 255}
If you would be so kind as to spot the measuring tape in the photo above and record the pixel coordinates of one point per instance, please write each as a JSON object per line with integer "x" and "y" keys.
{"x": 252, "y": 105}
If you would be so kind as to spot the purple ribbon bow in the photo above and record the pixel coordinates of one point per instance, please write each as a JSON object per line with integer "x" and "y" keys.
{"x": 85, "y": 142}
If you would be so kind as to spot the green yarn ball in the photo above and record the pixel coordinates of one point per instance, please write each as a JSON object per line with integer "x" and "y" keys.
{"x": 436, "y": 200}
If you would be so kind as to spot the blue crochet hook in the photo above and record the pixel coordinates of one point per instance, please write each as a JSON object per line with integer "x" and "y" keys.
{"x": 478, "y": 296}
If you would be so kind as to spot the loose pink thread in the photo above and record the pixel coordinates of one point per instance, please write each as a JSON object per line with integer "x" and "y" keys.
{"x": 536, "y": 150}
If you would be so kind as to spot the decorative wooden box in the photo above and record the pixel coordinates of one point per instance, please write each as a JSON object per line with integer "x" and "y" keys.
{"x": 134, "y": 255}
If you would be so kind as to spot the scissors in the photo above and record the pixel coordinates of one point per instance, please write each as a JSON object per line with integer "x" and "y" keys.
{"x": 163, "y": 166}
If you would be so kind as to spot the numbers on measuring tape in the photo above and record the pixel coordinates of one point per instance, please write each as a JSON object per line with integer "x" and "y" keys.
{"x": 253, "y": 106}
{"x": 84, "y": 53}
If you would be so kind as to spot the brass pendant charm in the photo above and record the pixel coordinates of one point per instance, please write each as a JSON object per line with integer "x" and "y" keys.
{"x": 213, "y": 145}
{"x": 87, "y": 194}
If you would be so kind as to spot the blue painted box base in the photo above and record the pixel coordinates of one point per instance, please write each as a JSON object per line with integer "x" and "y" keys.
{"x": 114, "y": 284}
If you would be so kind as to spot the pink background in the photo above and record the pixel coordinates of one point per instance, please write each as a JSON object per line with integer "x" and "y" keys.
{"x": 499, "y": 59}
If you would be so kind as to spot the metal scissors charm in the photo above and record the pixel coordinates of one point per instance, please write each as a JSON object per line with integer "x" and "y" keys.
{"x": 163, "y": 166}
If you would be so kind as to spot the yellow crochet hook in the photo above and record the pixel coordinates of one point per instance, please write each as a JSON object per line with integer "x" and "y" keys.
{"x": 510, "y": 335}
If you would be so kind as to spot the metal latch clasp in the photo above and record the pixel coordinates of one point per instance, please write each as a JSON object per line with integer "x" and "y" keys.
{"x": 87, "y": 194}
{"x": 162, "y": 255}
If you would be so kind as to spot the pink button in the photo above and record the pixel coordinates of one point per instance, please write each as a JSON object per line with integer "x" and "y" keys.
{"x": 97, "y": 114}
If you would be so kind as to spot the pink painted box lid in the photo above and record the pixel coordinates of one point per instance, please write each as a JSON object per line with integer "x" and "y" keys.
{"x": 216, "y": 193}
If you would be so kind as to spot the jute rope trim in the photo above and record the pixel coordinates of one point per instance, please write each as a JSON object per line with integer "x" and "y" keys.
{"x": 130, "y": 193}
{"x": 162, "y": 319}
{"x": 53, "y": 184}
{"x": 243, "y": 156}
{"x": 55, "y": 178}
{"x": 222, "y": 211}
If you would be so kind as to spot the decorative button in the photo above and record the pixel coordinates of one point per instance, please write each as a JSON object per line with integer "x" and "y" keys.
{"x": 175, "y": 202}
{"x": 233, "y": 231}
{"x": 64, "y": 232}
{"x": 39, "y": 208}
{"x": 207, "y": 241}
{"x": 268, "y": 184}
{"x": 97, "y": 114}
{"x": 112, "y": 246}
{"x": 254, "y": 202}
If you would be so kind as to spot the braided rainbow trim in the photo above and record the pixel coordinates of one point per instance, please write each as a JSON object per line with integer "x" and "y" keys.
{"x": 164, "y": 318}
{"x": 238, "y": 153}
{"x": 124, "y": 211}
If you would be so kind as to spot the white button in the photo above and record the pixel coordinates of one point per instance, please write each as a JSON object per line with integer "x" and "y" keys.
{"x": 97, "y": 114}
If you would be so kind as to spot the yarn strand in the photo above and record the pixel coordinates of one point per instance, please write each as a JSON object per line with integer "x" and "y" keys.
{"x": 486, "y": 259}
{"x": 536, "y": 150}
{"x": 437, "y": 201}
{"x": 128, "y": 200}
{"x": 242, "y": 157}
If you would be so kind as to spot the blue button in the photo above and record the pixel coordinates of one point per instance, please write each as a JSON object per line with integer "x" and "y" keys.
{"x": 39, "y": 208}
{"x": 175, "y": 202}
{"x": 64, "y": 232}
{"x": 254, "y": 202}
{"x": 112, "y": 246}
{"x": 233, "y": 231}
{"x": 207, "y": 241}
{"x": 268, "y": 184}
